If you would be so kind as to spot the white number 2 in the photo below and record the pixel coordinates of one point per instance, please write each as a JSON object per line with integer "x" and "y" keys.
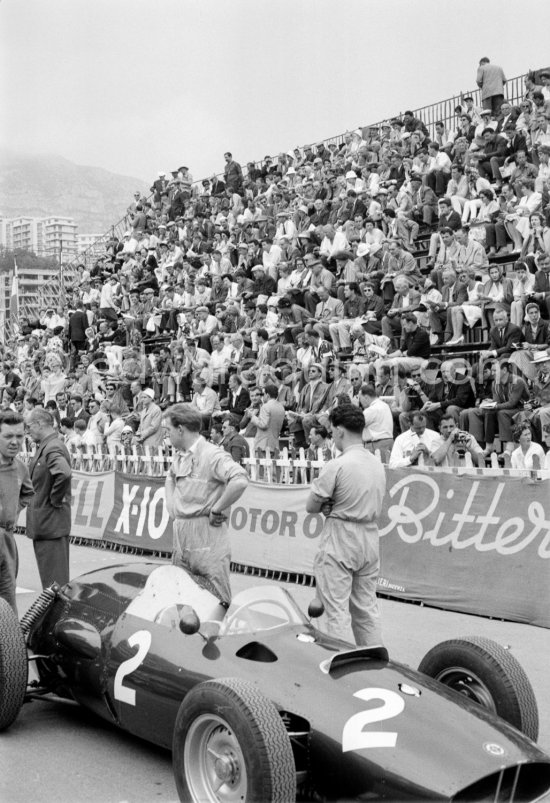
{"x": 143, "y": 639}
{"x": 355, "y": 738}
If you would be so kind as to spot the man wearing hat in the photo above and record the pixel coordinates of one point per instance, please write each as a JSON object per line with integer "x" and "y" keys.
{"x": 320, "y": 276}
{"x": 150, "y": 432}
{"x": 486, "y": 121}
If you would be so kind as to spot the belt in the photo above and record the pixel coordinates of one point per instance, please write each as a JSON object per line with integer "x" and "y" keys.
{"x": 7, "y": 525}
{"x": 354, "y": 521}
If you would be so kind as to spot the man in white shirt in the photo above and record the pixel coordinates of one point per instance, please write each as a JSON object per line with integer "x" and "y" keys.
{"x": 378, "y": 431}
{"x": 418, "y": 440}
{"x": 439, "y": 169}
{"x": 220, "y": 360}
{"x": 108, "y": 302}
{"x": 207, "y": 325}
{"x": 454, "y": 443}
{"x": 205, "y": 400}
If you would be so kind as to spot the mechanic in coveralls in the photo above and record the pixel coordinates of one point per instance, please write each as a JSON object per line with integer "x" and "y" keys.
{"x": 201, "y": 485}
{"x": 16, "y": 490}
{"x": 349, "y": 492}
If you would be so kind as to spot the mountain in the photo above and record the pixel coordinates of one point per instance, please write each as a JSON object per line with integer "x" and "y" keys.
{"x": 45, "y": 184}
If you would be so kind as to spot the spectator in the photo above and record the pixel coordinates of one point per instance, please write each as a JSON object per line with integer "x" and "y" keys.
{"x": 454, "y": 445}
{"x": 491, "y": 80}
{"x": 527, "y": 454}
{"x": 269, "y": 422}
{"x": 150, "y": 432}
{"x": 496, "y": 416}
{"x": 378, "y": 431}
{"x": 233, "y": 175}
{"x": 416, "y": 441}
{"x": 233, "y": 442}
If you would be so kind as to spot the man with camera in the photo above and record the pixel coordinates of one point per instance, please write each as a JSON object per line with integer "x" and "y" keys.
{"x": 454, "y": 445}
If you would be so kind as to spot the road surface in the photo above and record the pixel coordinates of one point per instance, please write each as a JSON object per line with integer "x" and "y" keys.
{"x": 58, "y": 753}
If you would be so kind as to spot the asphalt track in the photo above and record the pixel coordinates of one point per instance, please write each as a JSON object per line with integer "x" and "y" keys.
{"x": 58, "y": 753}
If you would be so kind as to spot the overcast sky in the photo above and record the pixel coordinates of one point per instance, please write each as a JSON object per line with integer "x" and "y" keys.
{"x": 136, "y": 86}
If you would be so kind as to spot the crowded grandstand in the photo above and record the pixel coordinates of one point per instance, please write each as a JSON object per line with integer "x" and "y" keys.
{"x": 403, "y": 268}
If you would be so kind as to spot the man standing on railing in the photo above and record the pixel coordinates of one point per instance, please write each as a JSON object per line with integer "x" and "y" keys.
{"x": 201, "y": 485}
{"x": 349, "y": 492}
{"x": 491, "y": 80}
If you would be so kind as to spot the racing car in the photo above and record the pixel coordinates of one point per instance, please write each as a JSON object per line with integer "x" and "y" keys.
{"x": 257, "y": 704}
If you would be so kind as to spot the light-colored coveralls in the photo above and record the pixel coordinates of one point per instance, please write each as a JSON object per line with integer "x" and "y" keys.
{"x": 16, "y": 490}
{"x": 195, "y": 482}
{"x": 347, "y": 564}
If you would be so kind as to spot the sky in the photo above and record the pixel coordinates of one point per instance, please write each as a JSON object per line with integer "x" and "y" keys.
{"x": 139, "y": 86}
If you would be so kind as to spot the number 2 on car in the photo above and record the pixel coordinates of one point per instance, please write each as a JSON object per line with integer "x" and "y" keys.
{"x": 143, "y": 640}
{"x": 353, "y": 735}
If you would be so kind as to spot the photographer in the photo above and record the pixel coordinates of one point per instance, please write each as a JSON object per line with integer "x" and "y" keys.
{"x": 454, "y": 445}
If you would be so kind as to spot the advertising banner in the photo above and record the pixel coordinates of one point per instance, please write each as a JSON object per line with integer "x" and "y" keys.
{"x": 139, "y": 517}
{"x": 468, "y": 542}
{"x": 471, "y": 542}
{"x": 93, "y": 498}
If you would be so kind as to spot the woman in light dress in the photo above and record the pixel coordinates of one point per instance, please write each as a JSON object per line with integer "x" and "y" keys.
{"x": 470, "y": 311}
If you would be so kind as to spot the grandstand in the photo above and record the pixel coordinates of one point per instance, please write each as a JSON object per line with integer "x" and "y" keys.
{"x": 240, "y": 265}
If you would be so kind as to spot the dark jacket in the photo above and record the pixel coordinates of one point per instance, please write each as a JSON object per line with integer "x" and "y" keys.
{"x": 78, "y": 323}
{"x": 459, "y": 393}
{"x": 49, "y": 512}
{"x": 416, "y": 344}
{"x": 503, "y": 345}
{"x": 540, "y": 337}
{"x": 241, "y": 403}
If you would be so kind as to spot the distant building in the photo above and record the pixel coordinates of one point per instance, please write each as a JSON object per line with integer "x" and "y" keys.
{"x": 48, "y": 237}
{"x": 90, "y": 241}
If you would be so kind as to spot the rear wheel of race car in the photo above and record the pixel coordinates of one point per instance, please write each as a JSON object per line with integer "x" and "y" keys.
{"x": 486, "y": 673}
{"x": 13, "y": 666}
{"x": 230, "y": 744}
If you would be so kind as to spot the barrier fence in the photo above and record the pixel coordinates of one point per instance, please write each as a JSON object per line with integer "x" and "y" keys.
{"x": 463, "y": 539}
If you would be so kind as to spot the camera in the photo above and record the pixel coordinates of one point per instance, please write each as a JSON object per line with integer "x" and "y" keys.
{"x": 461, "y": 438}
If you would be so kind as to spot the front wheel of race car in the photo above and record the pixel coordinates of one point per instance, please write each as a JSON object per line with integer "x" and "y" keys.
{"x": 230, "y": 744}
{"x": 13, "y": 666}
{"x": 483, "y": 671}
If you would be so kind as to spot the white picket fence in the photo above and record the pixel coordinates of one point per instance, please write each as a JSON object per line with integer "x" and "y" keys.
{"x": 288, "y": 468}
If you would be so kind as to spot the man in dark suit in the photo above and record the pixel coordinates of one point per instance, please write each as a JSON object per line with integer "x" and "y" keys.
{"x": 492, "y": 156}
{"x": 49, "y": 513}
{"x": 78, "y": 412}
{"x": 503, "y": 335}
{"x": 78, "y": 323}
{"x": 311, "y": 402}
{"x": 541, "y": 290}
{"x": 238, "y": 398}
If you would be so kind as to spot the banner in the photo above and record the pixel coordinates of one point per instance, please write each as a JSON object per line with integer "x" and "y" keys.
{"x": 474, "y": 541}
{"x": 93, "y": 498}
{"x": 139, "y": 517}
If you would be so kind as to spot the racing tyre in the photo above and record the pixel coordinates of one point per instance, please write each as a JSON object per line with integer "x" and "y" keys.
{"x": 486, "y": 673}
{"x": 230, "y": 744}
{"x": 13, "y": 666}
